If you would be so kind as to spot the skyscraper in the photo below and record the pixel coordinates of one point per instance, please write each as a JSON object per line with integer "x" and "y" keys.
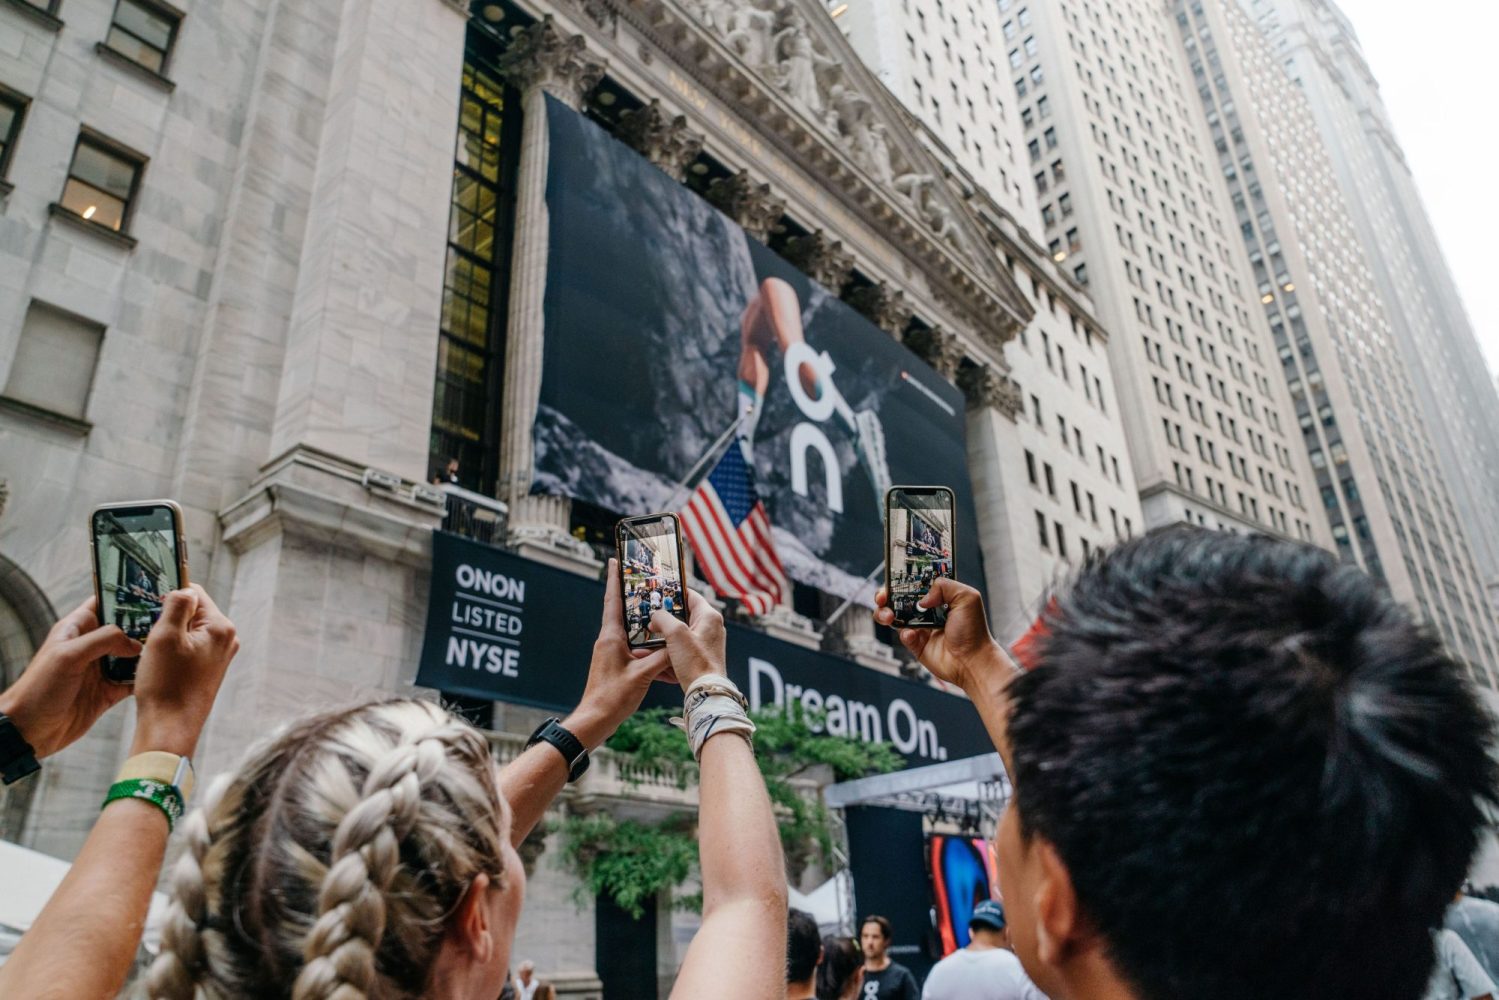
{"x": 1386, "y": 501}
{"x": 1316, "y": 45}
{"x": 1064, "y": 483}
{"x": 1126, "y": 201}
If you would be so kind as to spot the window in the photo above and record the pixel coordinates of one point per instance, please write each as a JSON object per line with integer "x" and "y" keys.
{"x": 1041, "y": 531}
{"x": 471, "y": 331}
{"x": 1030, "y": 466}
{"x": 1061, "y": 539}
{"x": 1036, "y": 412}
{"x": 54, "y": 363}
{"x": 1051, "y": 481}
{"x": 12, "y": 114}
{"x": 143, "y": 32}
{"x": 1030, "y": 45}
{"x": 1015, "y": 59}
{"x": 102, "y": 182}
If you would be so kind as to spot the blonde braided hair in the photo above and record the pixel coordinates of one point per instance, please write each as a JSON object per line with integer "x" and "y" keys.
{"x": 327, "y": 865}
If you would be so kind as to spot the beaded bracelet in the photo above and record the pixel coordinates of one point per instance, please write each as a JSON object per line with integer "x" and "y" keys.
{"x": 160, "y": 794}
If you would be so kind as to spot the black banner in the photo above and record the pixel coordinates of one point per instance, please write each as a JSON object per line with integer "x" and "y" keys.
{"x": 665, "y": 322}
{"x": 504, "y": 628}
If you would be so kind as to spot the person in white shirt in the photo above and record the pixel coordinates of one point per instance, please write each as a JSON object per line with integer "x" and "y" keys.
{"x": 985, "y": 970}
{"x": 1457, "y": 975}
{"x": 526, "y": 981}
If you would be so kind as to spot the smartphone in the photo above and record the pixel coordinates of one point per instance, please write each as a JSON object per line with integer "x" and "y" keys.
{"x": 140, "y": 555}
{"x": 919, "y": 547}
{"x": 651, "y": 574}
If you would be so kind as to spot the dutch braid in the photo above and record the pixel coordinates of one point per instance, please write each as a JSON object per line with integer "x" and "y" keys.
{"x": 175, "y": 972}
{"x": 340, "y": 950}
{"x": 326, "y": 866}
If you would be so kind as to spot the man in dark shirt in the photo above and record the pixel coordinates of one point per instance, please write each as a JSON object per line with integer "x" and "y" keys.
{"x": 883, "y": 978}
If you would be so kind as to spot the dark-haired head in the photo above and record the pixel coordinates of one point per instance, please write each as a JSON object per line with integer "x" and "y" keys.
{"x": 841, "y": 962}
{"x": 1249, "y": 769}
{"x": 803, "y": 944}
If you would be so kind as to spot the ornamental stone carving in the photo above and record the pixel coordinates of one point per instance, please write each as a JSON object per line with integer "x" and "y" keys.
{"x": 541, "y": 56}
{"x": 798, "y": 63}
{"x": 883, "y": 305}
{"x": 663, "y": 139}
{"x": 822, "y": 259}
{"x": 922, "y": 191}
{"x": 991, "y": 387}
{"x": 752, "y": 205}
{"x": 939, "y": 348}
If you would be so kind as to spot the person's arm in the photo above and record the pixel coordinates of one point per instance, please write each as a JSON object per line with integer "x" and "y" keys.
{"x": 84, "y": 941}
{"x": 618, "y": 679}
{"x": 962, "y": 652}
{"x": 739, "y": 952}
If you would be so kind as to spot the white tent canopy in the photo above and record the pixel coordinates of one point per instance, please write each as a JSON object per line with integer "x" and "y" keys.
{"x": 29, "y": 878}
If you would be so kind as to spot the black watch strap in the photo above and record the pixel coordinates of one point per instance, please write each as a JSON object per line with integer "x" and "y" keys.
{"x": 17, "y": 758}
{"x": 569, "y": 746}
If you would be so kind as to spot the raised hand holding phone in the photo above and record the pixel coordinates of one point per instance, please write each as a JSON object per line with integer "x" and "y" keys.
{"x": 62, "y": 693}
{"x": 961, "y": 651}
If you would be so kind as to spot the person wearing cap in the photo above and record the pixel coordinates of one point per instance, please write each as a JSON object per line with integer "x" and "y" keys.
{"x": 985, "y": 970}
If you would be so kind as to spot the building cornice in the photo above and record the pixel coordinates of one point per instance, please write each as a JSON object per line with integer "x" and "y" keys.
{"x": 887, "y": 179}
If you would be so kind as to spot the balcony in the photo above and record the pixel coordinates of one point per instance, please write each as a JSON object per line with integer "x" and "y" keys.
{"x": 474, "y": 515}
{"x": 613, "y": 784}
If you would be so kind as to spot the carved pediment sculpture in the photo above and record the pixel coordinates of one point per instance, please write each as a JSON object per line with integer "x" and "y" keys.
{"x": 797, "y": 51}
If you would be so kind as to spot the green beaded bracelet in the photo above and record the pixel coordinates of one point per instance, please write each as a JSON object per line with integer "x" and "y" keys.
{"x": 160, "y": 794}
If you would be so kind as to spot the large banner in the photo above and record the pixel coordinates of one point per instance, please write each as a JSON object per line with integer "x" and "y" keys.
{"x": 503, "y": 628}
{"x": 665, "y": 322}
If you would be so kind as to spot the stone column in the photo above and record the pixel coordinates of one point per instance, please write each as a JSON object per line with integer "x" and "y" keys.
{"x": 853, "y": 635}
{"x": 663, "y": 139}
{"x": 883, "y": 305}
{"x": 752, "y": 205}
{"x": 1000, "y": 495}
{"x": 540, "y": 61}
{"x": 822, "y": 259}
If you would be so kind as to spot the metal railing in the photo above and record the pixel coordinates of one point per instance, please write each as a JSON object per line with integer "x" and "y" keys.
{"x": 474, "y": 515}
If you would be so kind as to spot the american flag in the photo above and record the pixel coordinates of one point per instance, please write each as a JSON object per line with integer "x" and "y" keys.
{"x": 729, "y": 531}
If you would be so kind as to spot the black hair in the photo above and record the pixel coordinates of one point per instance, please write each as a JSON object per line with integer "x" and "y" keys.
{"x": 1264, "y": 779}
{"x": 841, "y": 961}
{"x": 802, "y": 944}
{"x": 882, "y": 922}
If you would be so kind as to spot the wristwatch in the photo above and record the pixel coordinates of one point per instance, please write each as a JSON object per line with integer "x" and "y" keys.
{"x": 17, "y": 758}
{"x": 569, "y": 746}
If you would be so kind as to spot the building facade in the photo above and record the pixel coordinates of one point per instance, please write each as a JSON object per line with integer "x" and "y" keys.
{"x": 1068, "y": 482}
{"x": 1130, "y": 197}
{"x": 1387, "y": 501}
{"x": 1319, "y": 50}
{"x": 287, "y": 265}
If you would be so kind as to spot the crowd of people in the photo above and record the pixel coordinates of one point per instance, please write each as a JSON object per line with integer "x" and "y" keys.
{"x": 1240, "y": 770}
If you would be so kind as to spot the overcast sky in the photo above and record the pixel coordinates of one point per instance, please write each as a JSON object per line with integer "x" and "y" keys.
{"x": 1436, "y": 64}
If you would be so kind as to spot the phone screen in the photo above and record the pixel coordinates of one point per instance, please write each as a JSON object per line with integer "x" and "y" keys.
{"x": 650, "y": 566}
{"x": 919, "y": 528}
{"x": 136, "y": 563}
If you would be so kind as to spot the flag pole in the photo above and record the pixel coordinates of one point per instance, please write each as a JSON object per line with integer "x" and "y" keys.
{"x": 682, "y": 488}
{"x": 848, "y": 602}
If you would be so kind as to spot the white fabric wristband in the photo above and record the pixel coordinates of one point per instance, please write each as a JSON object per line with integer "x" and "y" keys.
{"x": 713, "y": 705}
